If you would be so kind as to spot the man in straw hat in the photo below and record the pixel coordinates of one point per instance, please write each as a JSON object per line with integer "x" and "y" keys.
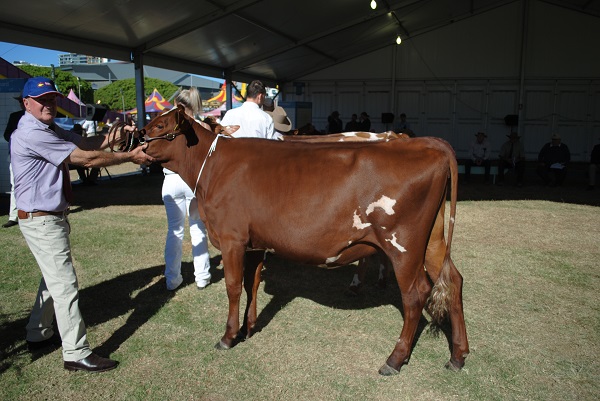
{"x": 281, "y": 121}
{"x": 479, "y": 156}
{"x": 553, "y": 159}
{"x": 40, "y": 154}
{"x": 512, "y": 156}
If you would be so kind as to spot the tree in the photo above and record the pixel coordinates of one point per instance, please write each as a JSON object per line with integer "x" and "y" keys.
{"x": 111, "y": 95}
{"x": 65, "y": 81}
{"x": 123, "y": 91}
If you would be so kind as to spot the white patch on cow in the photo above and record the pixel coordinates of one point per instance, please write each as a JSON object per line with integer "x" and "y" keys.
{"x": 395, "y": 243}
{"x": 452, "y": 219}
{"x": 332, "y": 259}
{"x": 349, "y": 242}
{"x": 359, "y": 225}
{"x": 355, "y": 281}
{"x": 270, "y": 250}
{"x": 387, "y": 204}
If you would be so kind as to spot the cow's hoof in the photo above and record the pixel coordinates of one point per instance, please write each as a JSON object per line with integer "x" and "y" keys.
{"x": 453, "y": 366}
{"x": 221, "y": 346}
{"x": 387, "y": 370}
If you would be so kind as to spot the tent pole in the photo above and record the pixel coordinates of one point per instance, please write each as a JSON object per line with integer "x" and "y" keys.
{"x": 140, "y": 100}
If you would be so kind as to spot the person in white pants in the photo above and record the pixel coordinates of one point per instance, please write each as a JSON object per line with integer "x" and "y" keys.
{"x": 177, "y": 197}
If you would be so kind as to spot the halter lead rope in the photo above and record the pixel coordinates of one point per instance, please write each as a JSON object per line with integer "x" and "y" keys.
{"x": 212, "y": 148}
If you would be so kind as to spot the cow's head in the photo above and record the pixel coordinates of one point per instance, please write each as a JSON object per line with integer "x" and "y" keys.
{"x": 165, "y": 132}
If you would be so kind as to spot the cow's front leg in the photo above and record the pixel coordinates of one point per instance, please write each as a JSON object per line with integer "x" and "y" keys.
{"x": 233, "y": 266}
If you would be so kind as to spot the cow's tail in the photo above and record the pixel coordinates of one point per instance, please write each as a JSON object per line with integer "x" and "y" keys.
{"x": 443, "y": 289}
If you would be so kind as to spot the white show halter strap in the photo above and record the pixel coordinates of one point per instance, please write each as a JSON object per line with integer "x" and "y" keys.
{"x": 213, "y": 146}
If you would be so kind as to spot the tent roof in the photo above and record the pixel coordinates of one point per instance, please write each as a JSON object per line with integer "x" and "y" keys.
{"x": 222, "y": 95}
{"x": 155, "y": 103}
{"x": 277, "y": 41}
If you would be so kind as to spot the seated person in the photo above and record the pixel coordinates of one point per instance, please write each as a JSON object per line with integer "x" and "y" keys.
{"x": 353, "y": 125}
{"x": 594, "y": 166}
{"x": 479, "y": 156}
{"x": 553, "y": 159}
{"x": 512, "y": 155}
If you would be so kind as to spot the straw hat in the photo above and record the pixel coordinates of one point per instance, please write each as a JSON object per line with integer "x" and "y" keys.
{"x": 281, "y": 122}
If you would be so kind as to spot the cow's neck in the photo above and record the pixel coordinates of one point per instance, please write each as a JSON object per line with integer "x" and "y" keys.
{"x": 188, "y": 167}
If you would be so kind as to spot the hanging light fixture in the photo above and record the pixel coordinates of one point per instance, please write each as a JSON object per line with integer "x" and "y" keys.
{"x": 373, "y": 4}
{"x": 398, "y": 40}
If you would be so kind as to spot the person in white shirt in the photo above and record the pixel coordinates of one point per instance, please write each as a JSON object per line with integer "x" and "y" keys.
{"x": 253, "y": 121}
{"x": 89, "y": 127}
{"x": 180, "y": 201}
{"x": 479, "y": 156}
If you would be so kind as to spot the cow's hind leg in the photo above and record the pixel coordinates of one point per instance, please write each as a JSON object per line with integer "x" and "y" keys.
{"x": 233, "y": 262}
{"x": 252, "y": 270}
{"x": 415, "y": 289}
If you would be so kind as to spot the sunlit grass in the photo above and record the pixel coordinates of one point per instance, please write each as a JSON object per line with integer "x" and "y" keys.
{"x": 530, "y": 273}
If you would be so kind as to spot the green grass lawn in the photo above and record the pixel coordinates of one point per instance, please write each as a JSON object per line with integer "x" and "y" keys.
{"x": 531, "y": 305}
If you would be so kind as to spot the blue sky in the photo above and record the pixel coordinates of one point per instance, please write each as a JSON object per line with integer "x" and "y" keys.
{"x": 12, "y": 52}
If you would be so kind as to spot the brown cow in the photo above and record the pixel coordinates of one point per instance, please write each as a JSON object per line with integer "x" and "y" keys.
{"x": 257, "y": 194}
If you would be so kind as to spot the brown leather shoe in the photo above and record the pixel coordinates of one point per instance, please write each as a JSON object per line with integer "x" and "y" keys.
{"x": 92, "y": 363}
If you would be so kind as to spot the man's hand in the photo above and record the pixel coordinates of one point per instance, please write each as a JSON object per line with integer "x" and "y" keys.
{"x": 138, "y": 156}
{"x": 118, "y": 134}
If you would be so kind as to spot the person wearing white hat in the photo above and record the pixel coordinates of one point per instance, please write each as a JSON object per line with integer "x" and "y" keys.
{"x": 553, "y": 160}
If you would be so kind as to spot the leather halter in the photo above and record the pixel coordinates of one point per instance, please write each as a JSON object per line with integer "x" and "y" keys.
{"x": 168, "y": 136}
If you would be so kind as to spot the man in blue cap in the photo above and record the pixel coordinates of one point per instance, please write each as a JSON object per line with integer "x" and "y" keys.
{"x": 40, "y": 154}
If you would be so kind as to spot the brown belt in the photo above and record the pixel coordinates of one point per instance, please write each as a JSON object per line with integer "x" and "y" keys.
{"x": 25, "y": 215}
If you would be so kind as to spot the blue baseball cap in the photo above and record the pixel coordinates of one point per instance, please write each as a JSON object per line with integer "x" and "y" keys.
{"x": 38, "y": 86}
